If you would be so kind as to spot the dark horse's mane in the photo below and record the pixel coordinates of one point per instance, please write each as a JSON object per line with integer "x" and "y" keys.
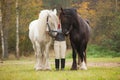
{"x": 71, "y": 12}
{"x": 78, "y": 21}
{"x": 79, "y": 32}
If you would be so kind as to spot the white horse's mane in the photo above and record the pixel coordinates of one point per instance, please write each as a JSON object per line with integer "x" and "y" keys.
{"x": 47, "y": 12}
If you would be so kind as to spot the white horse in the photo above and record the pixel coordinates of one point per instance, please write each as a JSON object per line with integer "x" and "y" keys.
{"x": 41, "y": 40}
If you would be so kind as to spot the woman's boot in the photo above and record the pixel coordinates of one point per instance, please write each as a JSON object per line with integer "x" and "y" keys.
{"x": 57, "y": 64}
{"x": 62, "y": 64}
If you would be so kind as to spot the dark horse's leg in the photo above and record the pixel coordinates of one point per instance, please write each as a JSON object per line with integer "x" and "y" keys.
{"x": 79, "y": 58}
{"x": 74, "y": 64}
{"x": 82, "y": 54}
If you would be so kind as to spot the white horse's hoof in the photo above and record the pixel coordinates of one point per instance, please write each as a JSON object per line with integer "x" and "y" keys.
{"x": 35, "y": 67}
{"x": 47, "y": 68}
{"x": 38, "y": 68}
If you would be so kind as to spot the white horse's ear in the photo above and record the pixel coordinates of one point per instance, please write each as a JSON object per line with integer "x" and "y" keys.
{"x": 55, "y": 11}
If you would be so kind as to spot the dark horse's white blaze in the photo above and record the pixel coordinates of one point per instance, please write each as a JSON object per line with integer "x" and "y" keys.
{"x": 79, "y": 31}
{"x": 40, "y": 39}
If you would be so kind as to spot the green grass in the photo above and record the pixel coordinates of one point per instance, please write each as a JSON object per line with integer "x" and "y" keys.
{"x": 23, "y": 70}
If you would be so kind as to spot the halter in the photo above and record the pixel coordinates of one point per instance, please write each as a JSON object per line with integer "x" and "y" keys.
{"x": 48, "y": 24}
{"x": 69, "y": 30}
{"x": 50, "y": 31}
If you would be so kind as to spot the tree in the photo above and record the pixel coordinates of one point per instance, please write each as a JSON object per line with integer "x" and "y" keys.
{"x": 56, "y": 4}
{"x": 28, "y": 10}
{"x": 116, "y": 3}
{"x": 107, "y": 30}
{"x": 17, "y": 30}
{"x": 1, "y": 28}
{"x": 4, "y": 30}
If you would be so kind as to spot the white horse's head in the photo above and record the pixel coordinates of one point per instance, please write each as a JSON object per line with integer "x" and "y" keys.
{"x": 51, "y": 20}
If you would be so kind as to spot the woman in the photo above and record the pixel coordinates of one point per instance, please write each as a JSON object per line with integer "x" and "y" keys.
{"x": 60, "y": 49}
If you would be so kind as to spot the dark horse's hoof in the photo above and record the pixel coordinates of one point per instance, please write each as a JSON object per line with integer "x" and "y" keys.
{"x": 74, "y": 66}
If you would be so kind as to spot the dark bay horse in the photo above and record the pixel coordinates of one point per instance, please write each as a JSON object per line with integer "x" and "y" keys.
{"x": 79, "y": 31}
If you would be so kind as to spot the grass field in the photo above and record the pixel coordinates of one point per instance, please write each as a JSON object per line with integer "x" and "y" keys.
{"x": 102, "y": 64}
{"x": 98, "y": 69}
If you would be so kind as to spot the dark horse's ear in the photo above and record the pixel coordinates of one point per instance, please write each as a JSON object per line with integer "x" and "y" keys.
{"x": 62, "y": 10}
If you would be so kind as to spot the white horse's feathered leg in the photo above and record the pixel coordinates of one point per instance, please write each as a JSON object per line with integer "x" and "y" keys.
{"x": 47, "y": 64}
{"x": 34, "y": 47}
{"x": 39, "y": 55}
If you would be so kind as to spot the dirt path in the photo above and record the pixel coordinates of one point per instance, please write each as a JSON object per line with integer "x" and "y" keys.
{"x": 105, "y": 64}
{"x": 99, "y": 64}
{"x": 89, "y": 64}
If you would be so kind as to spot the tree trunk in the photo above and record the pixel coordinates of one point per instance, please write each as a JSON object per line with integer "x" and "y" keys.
{"x": 17, "y": 30}
{"x": 1, "y": 29}
{"x": 4, "y": 30}
{"x": 116, "y": 4}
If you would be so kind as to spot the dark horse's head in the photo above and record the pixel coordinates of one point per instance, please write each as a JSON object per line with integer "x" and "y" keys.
{"x": 67, "y": 19}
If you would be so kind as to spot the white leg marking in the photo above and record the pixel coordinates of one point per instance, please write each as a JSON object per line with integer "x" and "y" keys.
{"x": 83, "y": 66}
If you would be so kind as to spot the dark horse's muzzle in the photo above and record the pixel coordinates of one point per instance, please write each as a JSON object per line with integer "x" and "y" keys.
{"x": 66, "y": 32}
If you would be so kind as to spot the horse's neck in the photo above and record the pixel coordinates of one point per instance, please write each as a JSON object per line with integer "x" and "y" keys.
{"x": 76, "y": 26}
{"x": 42, "y": 24}
{"x": 76, "y": 23}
